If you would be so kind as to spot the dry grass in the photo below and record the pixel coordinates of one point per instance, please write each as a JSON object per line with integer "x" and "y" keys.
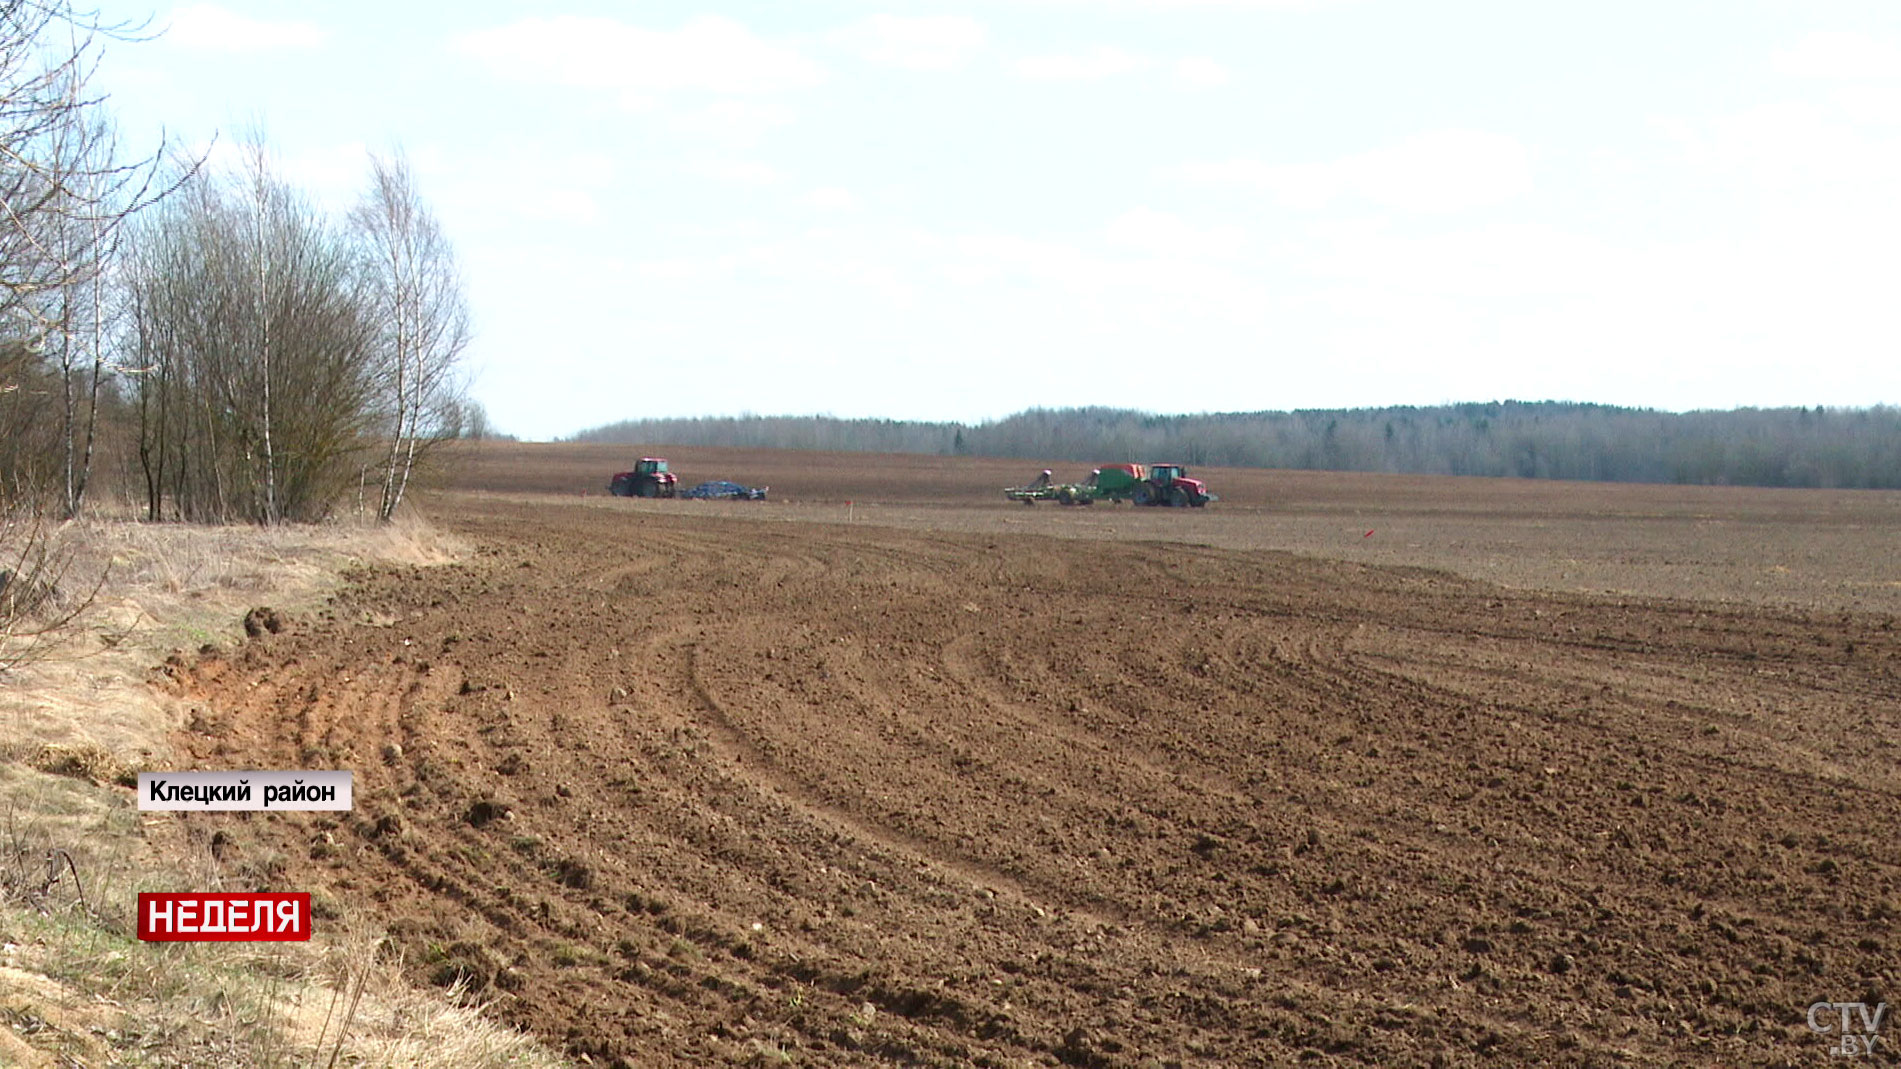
{"x": 175, "y": 587}
{"x": 77, "y": 988}
{"x": 41, "y": 595}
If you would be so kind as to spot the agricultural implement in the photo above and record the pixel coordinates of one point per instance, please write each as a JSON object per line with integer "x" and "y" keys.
{"x": 725, "y": 490}
{"x": 1042, "y": 489}
{"x": 1143, "y": 484}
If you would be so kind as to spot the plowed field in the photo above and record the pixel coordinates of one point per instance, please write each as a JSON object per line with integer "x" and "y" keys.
{"x": 962, "y": 783}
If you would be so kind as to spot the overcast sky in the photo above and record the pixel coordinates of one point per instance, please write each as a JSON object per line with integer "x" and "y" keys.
{"x": 957, "y": 211}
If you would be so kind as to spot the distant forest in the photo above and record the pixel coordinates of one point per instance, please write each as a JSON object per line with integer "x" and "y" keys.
{"x": 1802, "y": 447}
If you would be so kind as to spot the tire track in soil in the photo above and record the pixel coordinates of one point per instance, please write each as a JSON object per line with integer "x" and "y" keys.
{"x": 978, "y": 875}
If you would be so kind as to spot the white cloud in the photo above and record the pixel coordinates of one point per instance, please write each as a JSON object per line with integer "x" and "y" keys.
{"x": 336, "y": 173}
{"x": 1147, "y": 289}
{"x": 212, "y": 28}
{"x": 724, "y": 230}
{"x": 1506, "y": 260}
{"x": 836, "y": 259}
{"x": 1255, "y": 5}
{"x": 1108, "y": 61}
{"x": 925, "y": 43}
{"x": 555, "y": 204}
{"x": 1449, "y": 170}
{"x": 585, "y": 169}
{"x": 1167, "y": 235}
{"x": 707, "y": 54}
{"x": 331, "y": 174}
{"x": 734, "y": 122}
{"x": 476, "y": 197}
{"x": 832, "y": 199}
{"x": 1803, "y": 150}
{"x": 1840, "y": 55}
{"x": 1103, "y": 61}
{"x": 1202, "y": 71}
{"x": 738, "y": 172}
{"x": 1441, "y": 171}
{"x": 1875, "y": 104}
{"x": 688, "y": 268}
{"x": 574, "y": 182}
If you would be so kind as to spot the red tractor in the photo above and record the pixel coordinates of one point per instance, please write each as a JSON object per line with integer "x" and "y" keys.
{"x": 650, "y": 478}
{"x": 1150, "y": 484}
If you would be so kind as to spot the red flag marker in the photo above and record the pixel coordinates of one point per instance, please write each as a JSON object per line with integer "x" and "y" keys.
{"x": 1368, "y": 534}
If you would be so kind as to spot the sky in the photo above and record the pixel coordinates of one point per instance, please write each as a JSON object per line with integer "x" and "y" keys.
{"x": 912, "y": 210}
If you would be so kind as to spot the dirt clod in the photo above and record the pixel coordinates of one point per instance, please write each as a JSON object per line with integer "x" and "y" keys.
{"x": 264, "y": 620}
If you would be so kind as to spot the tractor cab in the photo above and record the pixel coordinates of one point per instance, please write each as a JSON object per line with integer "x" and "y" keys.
{"x": 1165, "y": 474}
{"x": 650, "y": 466}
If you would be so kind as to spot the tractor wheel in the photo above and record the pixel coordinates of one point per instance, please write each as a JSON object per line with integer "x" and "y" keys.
{"x": 1178, "y": 498}
{"x": 1144, "y": 496}
{"x": 618, "y": 488}
{"x": 1200, "y": 502}
{"x": 647, "y": 488}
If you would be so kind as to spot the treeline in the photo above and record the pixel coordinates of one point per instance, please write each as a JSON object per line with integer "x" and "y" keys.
{"x": 1792, "y": 447}
{"x": 824, "y": 433}
{"x": 200, "y": 330}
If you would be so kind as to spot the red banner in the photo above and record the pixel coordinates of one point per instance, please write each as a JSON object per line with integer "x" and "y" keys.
{"x": 224, "y": 916}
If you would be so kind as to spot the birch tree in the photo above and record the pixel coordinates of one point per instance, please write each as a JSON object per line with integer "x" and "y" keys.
{"x": 416, "y": 298}
{"x": 85, "y": 232}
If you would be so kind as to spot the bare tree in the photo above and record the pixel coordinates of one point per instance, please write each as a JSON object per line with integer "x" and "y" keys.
{"x": 66, "y": 196}
{"x": 85, "y": 233}
{"x": 248, "y": 310}
{"x": 415, "y": 292}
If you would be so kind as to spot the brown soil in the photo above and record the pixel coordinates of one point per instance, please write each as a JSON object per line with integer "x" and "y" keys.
{"x": 680, "y": 784}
